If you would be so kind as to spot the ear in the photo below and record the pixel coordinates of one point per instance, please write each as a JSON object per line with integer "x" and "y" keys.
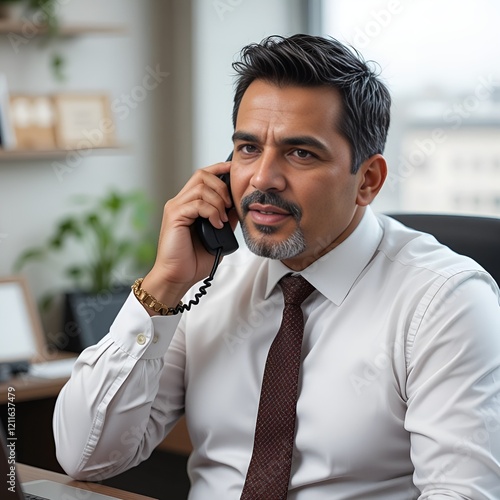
{"x": 372, "y": 174}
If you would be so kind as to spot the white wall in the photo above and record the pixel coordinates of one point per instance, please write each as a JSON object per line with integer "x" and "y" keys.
{"x": 32, "y": 196}
{"x": 221, "y": 29}
{"x": 183, "y": 124}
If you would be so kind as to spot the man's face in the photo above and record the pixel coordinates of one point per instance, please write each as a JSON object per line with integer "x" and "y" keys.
{"x": 290, "y": 173}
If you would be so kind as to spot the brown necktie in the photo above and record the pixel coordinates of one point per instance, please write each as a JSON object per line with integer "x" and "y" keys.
{"x": 269, "y": 471}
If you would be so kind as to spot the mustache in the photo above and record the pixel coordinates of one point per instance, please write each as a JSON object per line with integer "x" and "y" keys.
{"x": 270, "y": 198}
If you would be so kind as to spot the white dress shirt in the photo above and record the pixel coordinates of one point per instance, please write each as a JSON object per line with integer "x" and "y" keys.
{"x": 399, "y": 391}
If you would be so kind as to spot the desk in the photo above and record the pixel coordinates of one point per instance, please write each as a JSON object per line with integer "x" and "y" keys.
{"x": 27, "y": 473}
{"x": 34, "y": 400}
{"x": 31, "y": 388}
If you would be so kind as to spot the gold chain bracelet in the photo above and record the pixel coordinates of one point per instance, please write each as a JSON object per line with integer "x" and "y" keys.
{"x": 150, "y": 302}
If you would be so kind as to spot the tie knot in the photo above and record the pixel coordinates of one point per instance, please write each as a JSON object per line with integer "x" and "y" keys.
{"x": 295, "y": 289}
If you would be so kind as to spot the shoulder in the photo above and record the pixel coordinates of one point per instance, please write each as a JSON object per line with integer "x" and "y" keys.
{"x": 420, "y": 252}
{"x": 445, "y": 292}
{"x": 414, "y": 265}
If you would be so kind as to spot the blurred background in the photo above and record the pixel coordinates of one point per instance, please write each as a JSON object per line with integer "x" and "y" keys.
{"x": 150, "y": 85}
{"x": 165, "y": 67}
{"x": 441, "y": 62}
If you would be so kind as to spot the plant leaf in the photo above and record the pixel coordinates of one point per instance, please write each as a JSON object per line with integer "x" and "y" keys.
{"x": 114, "y": 202}
{"x": 75, "y": 272}
{"x": 46, "y": 301}
{"x": 36, "y": 253}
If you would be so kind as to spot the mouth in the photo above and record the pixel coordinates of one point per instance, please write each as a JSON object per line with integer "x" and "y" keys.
{"x": 268, "y": 210}
{"x": 267, "y": 214}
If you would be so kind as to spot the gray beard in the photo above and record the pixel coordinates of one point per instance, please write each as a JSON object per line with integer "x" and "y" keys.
{"x": 291, "y": 247}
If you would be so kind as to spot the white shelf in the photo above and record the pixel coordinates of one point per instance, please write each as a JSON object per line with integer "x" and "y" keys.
{"x": 30, "y": 29}
{"x": 56, "y": 154}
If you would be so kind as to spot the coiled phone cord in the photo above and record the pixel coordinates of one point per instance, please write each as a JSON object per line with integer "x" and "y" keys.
{"x": 203, "y": 288}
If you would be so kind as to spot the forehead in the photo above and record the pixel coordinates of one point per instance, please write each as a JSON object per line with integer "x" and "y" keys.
{"x": 291, "y": 106}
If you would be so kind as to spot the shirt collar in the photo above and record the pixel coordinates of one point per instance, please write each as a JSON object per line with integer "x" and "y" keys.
{"x": 335, "y": 272}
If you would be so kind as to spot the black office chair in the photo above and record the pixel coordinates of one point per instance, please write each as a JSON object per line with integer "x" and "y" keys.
{"x": 476, "y": 237}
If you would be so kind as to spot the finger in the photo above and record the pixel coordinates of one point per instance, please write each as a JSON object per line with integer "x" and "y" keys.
{"x": 210, "y": 179}
{"x": 186, "y": 213}
{"x": 214, "y": 202}
{"x": 217, "y": 199}
{"x": 222, "y": 167}
{"x": 219, "y": 185}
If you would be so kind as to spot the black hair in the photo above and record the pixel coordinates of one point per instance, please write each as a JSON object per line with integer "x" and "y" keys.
{"x": 311, "y": 61}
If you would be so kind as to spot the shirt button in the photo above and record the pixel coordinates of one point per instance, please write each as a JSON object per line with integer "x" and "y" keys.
{"x": 141, "y": 339}
{"x": 155, "y": 339}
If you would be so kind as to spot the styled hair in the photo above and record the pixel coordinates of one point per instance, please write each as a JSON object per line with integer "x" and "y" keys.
{"x": 313, "y": 61}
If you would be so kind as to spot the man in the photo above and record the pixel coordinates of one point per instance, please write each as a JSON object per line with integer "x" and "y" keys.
{"x": 399, "y": 371}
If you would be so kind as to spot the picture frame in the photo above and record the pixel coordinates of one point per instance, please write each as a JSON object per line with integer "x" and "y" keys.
{"x": 21, "y": 332}
{"x": 32, "y": 120}
{"x": 83, "y": 121}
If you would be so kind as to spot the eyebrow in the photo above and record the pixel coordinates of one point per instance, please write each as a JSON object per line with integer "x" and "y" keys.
{"x": 301, "y": 140}
{"x": 244, "y": 136}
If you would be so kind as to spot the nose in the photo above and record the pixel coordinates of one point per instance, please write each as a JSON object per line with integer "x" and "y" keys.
{"x": 268, "y": 174}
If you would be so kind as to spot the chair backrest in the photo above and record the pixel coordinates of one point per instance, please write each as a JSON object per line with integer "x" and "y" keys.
{"x": 476, "y": 237}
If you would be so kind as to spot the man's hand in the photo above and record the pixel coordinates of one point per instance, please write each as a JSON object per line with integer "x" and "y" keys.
{"x": 181, "y": 260}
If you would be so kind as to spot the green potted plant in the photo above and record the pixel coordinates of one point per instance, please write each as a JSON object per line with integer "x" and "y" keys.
{"x": 40, "y": 12}
{"x": 48, "y": 11}
{"x": 14, "y": 10}
{"x": 114, "y": 231}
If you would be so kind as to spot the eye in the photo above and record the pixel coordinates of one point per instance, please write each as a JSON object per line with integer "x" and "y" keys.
{"x": 303, "y": 154}
{"x": 247, "y": 149}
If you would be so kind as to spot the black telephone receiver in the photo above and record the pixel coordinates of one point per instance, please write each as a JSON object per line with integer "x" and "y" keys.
{"x": 217, "y": 240}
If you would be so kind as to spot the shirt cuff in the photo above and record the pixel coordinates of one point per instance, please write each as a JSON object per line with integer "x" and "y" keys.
{"x": 141, "y": 335}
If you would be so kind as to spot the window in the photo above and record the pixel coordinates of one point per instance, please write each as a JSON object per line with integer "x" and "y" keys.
{"x": 440, "y": 59}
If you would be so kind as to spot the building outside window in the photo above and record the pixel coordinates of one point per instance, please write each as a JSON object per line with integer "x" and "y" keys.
{"x": 441, "y": 61}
